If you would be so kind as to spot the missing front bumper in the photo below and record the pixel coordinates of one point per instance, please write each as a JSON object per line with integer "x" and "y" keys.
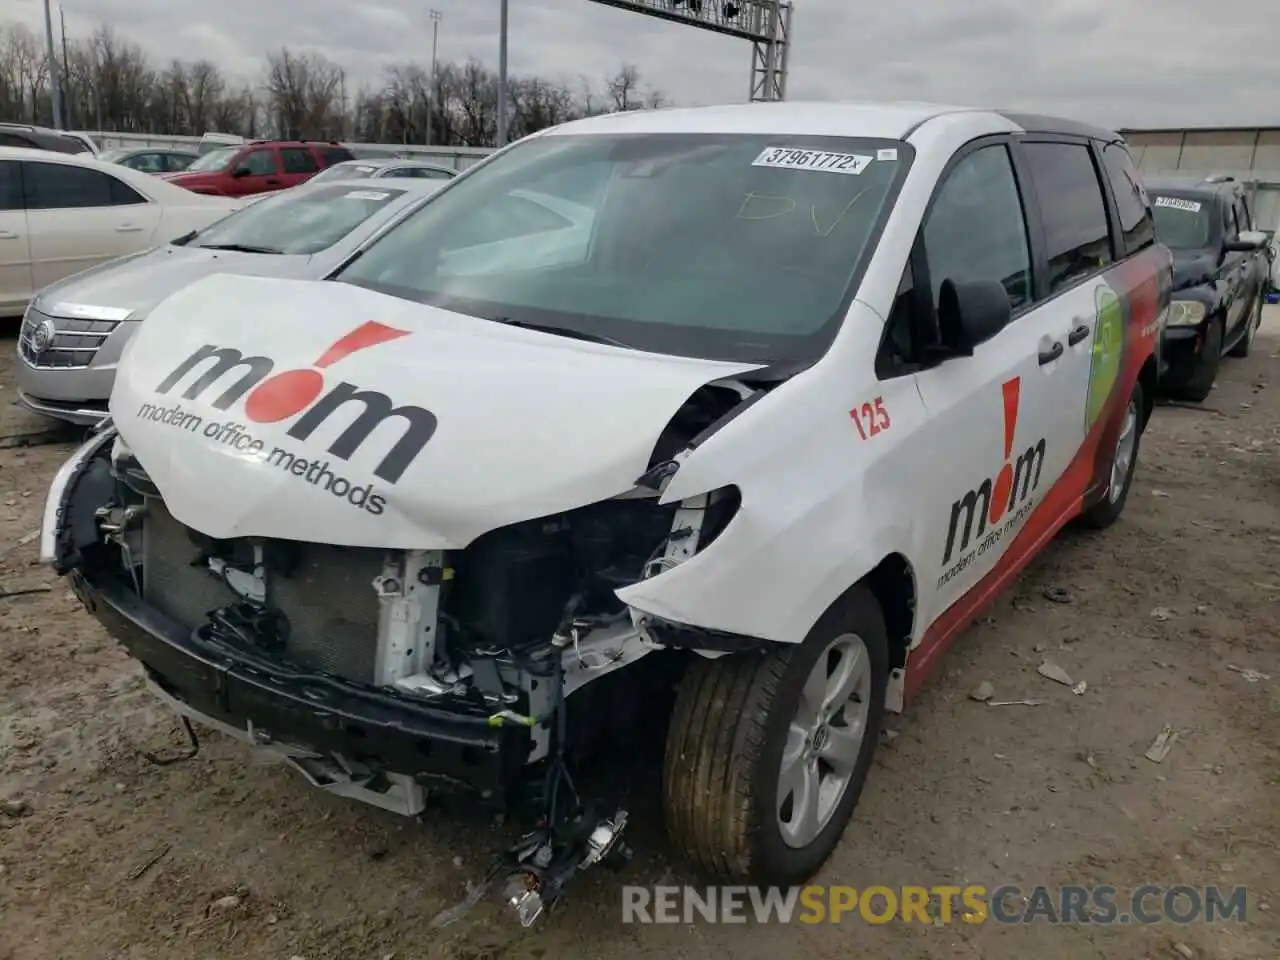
{"x": 309, "y": 719}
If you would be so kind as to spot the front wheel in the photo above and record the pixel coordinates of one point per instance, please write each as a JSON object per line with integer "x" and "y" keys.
{"x": 1124, "y": 460}
{"x": 1241, "y": 347}
{"x": 767, "y": 754}
{"x": 1200, "y": 383}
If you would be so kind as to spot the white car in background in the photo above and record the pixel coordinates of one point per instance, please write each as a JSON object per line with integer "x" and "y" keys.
{"x": 62, "y": 213}
{"x": 74, "y": 332}
{"x": 377, "y": 169}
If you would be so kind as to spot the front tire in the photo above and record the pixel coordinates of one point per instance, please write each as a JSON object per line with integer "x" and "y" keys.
{"x": 767, "y": 754}
{"x": 1199, "y": 385}
{"x": 1124, "y": 461}
{"x": 1241, "y": 348}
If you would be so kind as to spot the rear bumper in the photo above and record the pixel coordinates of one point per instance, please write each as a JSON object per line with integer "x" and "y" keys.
{"x": 445, "y": 744}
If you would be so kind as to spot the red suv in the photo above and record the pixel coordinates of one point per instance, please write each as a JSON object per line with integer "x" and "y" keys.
{"x": 259, "y": 166}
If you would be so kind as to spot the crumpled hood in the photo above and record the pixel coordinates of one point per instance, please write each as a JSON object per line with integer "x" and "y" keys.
{"x": 320, "y": 411}
{"x": 1191, "y": 268}
{"x": 138, "y": 282}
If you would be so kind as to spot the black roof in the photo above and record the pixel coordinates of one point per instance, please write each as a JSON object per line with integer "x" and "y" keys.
{"x": 1191, "y": 185}
{"x": 1039, "y": 123}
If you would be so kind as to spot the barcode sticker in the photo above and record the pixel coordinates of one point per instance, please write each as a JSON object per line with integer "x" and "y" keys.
{"x": 789, "y": 158}
{"x": 1177, "y": 203}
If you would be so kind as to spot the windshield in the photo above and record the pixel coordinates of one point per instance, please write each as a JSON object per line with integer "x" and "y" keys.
{"x": 214, "y": 160}
{"x": 344, "y": 171}
{"x": 1182, "y": 223}
{"x": 304, "y": 220}
{"x": 720, "y": 246}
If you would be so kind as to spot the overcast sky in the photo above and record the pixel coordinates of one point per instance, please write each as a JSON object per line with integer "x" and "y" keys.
{"x": 1120, "y": 62}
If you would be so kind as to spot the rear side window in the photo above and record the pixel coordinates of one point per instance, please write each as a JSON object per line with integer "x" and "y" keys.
{"x": 298, "y": 160}
{"x": 976, "y": 230}
{"x": 332, "y": 155}
{"x": 61, "y": 186}
{"x": 1137, "y": 226}
{"x": 1077, "y": 238}
{"x": 13, "y": 140}
{"x": 10, "y": 186}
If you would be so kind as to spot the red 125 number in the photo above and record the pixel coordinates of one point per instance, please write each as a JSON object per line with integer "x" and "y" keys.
{"x": 871, "y": 418}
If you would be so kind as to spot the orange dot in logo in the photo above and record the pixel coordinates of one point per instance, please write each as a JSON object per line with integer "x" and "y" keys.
{"x": 1000, "y": 493}
{"x": 283, "y": 395}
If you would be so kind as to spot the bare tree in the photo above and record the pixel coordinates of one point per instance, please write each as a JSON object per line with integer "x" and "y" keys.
{"x": 624, "y": 88}
{"x": 111, "y": 85}
{"x": 303, "y": 94}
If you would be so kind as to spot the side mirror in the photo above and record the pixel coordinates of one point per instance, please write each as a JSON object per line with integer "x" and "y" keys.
{"x": 1247, "y": 241}
{"x": 239, "y": 172}
{"x": 971, "y": 313}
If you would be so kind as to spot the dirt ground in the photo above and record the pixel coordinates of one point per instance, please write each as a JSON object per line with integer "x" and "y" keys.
{"x": 1167, "y": 613}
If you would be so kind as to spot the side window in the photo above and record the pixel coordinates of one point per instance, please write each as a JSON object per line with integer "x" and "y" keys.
{"x": 298, "y": 160}
{"x": 334, "y": 155}
{"x": 976, "y": 229}
{"x": 1077, "y": 239}
{"x": 10, "y": 185}
{"x": 147, "y": 163}
{"x": 122, "y": 194}
{"x": 260, "y": 163}
{"x": 61, "y": 186}
{"x": 1137, "y": 226}
{"x": 13, "y": 140}
{"x": 900, "y": 348}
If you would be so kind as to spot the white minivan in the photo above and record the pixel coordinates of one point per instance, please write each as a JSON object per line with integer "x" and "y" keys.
{"x": 756, "y": 405}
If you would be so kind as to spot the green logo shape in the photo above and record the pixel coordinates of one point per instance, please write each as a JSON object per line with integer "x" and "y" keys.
{"x": 1108, "y": 344}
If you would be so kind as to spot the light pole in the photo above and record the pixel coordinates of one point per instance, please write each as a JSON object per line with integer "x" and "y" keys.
{"x": 55, "y": 75}
{"x": 431, "y": 94}
{"x": 502, "y": 76}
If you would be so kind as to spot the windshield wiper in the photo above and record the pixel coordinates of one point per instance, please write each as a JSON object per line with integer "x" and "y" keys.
{"x": 238, "y": 247}
{"x": 561, "y": 331}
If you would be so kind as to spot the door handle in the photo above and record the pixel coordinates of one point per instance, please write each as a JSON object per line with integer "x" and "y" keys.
{"x": 1078, "y": 334}
{"x": 8, "y": 235}
{"x": 272, "y": 181}
{"x": 1052, "y": 354}
{"x": 128, "y": 228}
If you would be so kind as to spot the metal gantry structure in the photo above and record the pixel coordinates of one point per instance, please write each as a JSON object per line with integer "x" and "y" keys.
{"x": 766, "y": 24}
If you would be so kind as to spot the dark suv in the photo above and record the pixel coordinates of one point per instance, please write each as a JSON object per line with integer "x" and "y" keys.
{"x": 1220, "y": 278}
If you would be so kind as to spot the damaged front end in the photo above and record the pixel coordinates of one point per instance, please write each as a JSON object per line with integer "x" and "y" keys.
{"x": 389, "y": 676}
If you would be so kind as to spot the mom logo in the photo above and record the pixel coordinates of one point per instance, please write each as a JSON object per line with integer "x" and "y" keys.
{"x": 274, "y": 397}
